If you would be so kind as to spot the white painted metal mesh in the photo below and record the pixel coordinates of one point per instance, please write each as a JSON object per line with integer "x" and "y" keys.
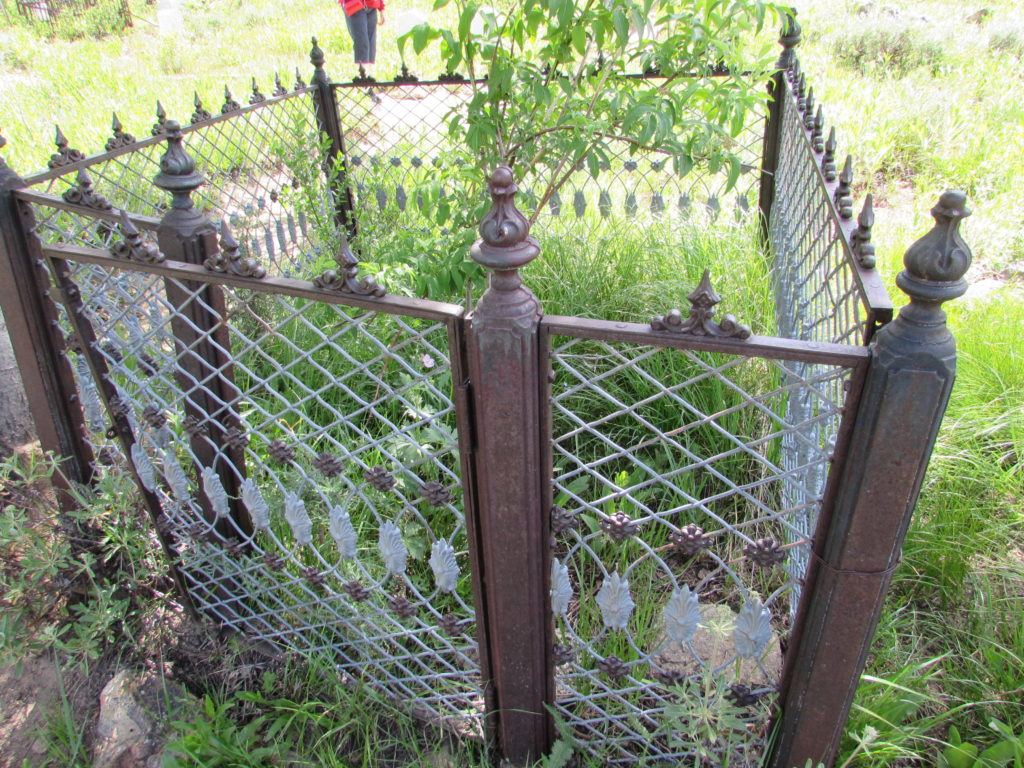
{"x": 679, "y": 544}
{"x": 351, "y": 474}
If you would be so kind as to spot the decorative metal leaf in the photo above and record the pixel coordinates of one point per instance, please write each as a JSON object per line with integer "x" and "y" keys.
{"x": 255, "y": 503}
{"x": 297, "y": 517}
{"x": 144, "y": 467}
{"x": 392, "y": 548}
{"x": 753, "y": 629}
{"x": 215, "y": 492}
{"x": 176, "y": 478}
{"x": 682, "y": 615}
{"x": 442, "y": 563}
{"x": 615, "y": 601}
{"x": 343, "y": 533}
{"x": 561, "y": 588}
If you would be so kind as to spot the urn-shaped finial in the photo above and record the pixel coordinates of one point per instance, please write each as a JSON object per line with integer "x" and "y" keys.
{"x": 936, "y": 264}
{"x": 505, "y": 241}
{"x": 177, "y": 168}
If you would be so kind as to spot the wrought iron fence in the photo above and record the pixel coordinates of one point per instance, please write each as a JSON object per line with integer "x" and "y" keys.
{"x": 492, "y": 515}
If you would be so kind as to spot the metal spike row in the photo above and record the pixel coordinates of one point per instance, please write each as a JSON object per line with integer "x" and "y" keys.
{"x": 256, "y": 97}
{"x": 801, "y": 91}
{"x": 160, "y": 126}
{"x": 120, "y": 138}
{"x": 828, "y": 162}
{"x": 200, "y": 114}
{"x": 279, "y": 89}
{"x": 230, "y": 105}
{"x": 809, "y": 109}
{"x": 64, "y": 154}
{"x": 860, "y": 239}
{"x": 843, "y": 194}
{"x": 819, "y": 128}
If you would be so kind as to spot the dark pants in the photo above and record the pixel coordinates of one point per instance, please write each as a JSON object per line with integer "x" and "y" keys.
{"x": 362, "y": 25}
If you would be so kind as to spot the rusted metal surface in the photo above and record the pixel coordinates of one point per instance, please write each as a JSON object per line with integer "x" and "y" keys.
{"x": 335, "y": 163}
{"x": 204, "y": 360}
{"x": 505, "y": 369}
{"x": 36, "y": 339}
{"x": 905, "y": 395}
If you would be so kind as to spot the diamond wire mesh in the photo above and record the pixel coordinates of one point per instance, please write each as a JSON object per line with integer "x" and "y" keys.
{"x": 817, "y": 295}
{"x": 396, "y": 139}
{"x": 263, "y": 170}
{"x": 677, "y": 539}
{"x": 359, "y": 550}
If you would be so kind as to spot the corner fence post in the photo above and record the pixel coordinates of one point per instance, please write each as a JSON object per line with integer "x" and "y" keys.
{"x": 202, "y": 342}
{"x": 330, "y": 126}
{"x": 905, "y": 394}
{"x": 512, "y": 537}
{"x": 37, "y": 343}
{"x": 789, "y": 39}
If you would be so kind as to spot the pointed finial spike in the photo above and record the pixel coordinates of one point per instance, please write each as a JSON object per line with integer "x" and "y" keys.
{"x": 936, "y": 264}
{"x": 64, "y": 154}
{"x": 866, "y": 218}
{"x": 115, "y": 124}
{"x": 860, "y": 239}
{"x": 846, "y": 177}
{"x": 61, "y": 141}
{"x": 160, "y": 110}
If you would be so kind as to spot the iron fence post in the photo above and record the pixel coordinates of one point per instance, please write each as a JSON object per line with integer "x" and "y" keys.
{"x": 203, "y": 344}
{"x": 905, "y": 394}
{"x": 335, "y": 168}
{"x": 505, "y": 377}
{"x": 38, "y": 345}
{"x": 789, "y": 39}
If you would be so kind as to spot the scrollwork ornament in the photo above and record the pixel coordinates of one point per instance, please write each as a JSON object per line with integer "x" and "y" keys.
{"x": 229, "y": 105}
{"x": 229, "y": 259}
{"x": 121, "y": 138}
{"x": 701, "y": 320}
{"x": 65, "y": 155}
{"x": 134, "y": 247}
{"x": 83, "y": 194}
{"x": 345, "y": 279}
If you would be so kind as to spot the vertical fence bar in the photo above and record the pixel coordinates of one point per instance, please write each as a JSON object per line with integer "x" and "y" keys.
{"x": 330, "y": 126}
{"x": 505, "y": 375}
{"x": 203, "y": 345}
{"x": 31, "y": 319}
{"x": 905, "y": 394}
{"x": 789, "y": 39}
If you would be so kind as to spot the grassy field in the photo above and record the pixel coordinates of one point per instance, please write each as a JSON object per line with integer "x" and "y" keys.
{"x": 924, "y": 99}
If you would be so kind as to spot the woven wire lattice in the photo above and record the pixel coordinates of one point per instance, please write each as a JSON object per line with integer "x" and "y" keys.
{"x": 397, "y": 144}
{"x": 679, "y": 541}
{"x": 316, "y": 503}
{"x": 263, "y": 167}
{"x": 818, "y": 297}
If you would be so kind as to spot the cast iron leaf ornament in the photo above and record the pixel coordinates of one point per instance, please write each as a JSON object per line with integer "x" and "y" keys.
{"x": 256, "y": 97}
{"x": 563, "y": 520}
{"x": 444, "y": 566}
{"x": 192, "y": 426}
{"x": 681, "y": 615}
{"x": 402, "y": 607}
{"x": 279, "y": 89}
{"x": 229, "y": 259}
{"x": 214, "y": 490}
{"x": 134, "y": 247}
{"x": 313, "y": 576}
{"x": 65, "y": 155}
{"x": 356, "y": 591}
{"x": 615, "y": 602}
{"x": 379, "y": 478}
{"x": 272, "y": 561}
{"x": 765, "y": 552}
{"x": 343, "y": 532}
{"x": 280, "y": 451}
{"x": 297, "y": 517}
{"x": 753, "y": 629}
{"x": 690, "y": 539}
{"x": 436, "y": 494}
{"x": 741, "y": 695}
{"x": 121, "y": 138}
{"x": 345, "y": 279}
{"x": 701, "y": 320}
{"x": 199, "y": 114}
{"x": 235, "y": 438}
{"x": 451, "y": 624}
{"x": 229, "y": 105}
{"x": 562, "y": 654}
{"x": 392, "y": 548}
{"x": 561, "y": 588}
{"x": 619, "y": 526}
{"x": 613, "y": 666}
{"x": 328, "y": 465}
{"x": 153, "y": 416}
{"x": 259, "y": 512}
{"x": 143, "y": 467}
{"x": 82, "y": 193}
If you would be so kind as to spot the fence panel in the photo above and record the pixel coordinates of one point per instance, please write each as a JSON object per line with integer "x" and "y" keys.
{"x": 685, "y": 495}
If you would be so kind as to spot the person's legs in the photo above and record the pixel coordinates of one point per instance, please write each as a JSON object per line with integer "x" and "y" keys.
{"x": 371, "y": 34}
{"x": 360, "y": 32}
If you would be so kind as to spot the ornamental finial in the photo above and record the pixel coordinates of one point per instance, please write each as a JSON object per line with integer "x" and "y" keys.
{"x": 505, "y": 241}
{"x": 177, "y": 168}
{"x": 701, "y": 321}
{"x": 936, "y": 264}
